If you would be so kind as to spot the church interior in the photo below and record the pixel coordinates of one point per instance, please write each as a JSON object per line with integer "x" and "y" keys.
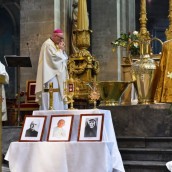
{"x": 106, "y": 76}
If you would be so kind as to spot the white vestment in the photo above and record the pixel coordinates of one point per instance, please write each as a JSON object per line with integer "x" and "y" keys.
{"x": 4, "y": 107}
{"x": 59, "y": 132}
{"x": 52, "y": 67}
{"x": 169, "y": 165}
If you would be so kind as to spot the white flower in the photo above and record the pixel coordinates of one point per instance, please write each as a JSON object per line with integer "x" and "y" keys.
{"x": 169, "y": 75}
{"x": 135, "y": 32}
{"x": 136, "y": 44}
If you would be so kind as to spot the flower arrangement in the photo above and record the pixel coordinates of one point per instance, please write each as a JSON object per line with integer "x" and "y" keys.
{"x": 125, "y": 40}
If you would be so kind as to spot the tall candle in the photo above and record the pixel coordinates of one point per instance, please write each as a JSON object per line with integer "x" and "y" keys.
{"x": 82, "y": 15}
{"x": 170, "y": 4}
{"x": 143, "y": 6}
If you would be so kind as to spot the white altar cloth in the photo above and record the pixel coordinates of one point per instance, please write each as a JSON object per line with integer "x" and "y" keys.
{"x": 70, "y": 156}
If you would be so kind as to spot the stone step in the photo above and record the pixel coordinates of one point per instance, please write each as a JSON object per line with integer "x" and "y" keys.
{"x": 145, "y": 166}
{"x": 9, "y": 134}
{"x": 5, "y": 168}
{"x": 144, "y": 142}
{"x": 152, "y": 120}
{"x": 146, "y": 154}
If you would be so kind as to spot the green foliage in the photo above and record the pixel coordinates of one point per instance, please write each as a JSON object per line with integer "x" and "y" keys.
{"x": 125, "y": 39}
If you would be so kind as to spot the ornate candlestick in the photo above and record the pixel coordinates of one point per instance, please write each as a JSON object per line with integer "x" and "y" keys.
{"x": 95, "y": 93}
{"x": 144, "y": 33}
{"x": 82, "y": 65}
{"x": 69, "y": 91}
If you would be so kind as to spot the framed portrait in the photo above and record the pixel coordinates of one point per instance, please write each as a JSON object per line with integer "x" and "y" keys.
{"x": 33, "y": 128}
{"x": 60, "y": 128}
{"x": 90, "y": 127}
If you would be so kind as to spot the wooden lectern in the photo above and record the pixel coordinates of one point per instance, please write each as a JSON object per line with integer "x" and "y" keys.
{"x": 18, "y": 61}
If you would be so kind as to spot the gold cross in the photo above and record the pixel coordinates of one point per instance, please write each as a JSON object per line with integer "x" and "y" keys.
{"x": 51, "y": 90}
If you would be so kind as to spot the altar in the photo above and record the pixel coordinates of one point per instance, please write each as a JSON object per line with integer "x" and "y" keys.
{"x": 72, "y": 156}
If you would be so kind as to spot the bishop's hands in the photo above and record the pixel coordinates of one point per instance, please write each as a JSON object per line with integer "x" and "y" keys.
{"x": 61, "y": 45}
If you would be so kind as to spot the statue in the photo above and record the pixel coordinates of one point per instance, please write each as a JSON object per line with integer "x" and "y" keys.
{"x": 74, "y": 25}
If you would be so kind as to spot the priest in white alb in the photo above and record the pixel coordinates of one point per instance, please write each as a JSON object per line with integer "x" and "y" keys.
{"x": 52, "y": 67}
{"x": 4, "y": 107}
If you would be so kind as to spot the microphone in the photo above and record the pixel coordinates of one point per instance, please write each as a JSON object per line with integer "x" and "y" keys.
{"x": 28, "y": 48}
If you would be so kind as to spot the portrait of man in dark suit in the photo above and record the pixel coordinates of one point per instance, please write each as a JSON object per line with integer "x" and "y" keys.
{"x": 91, "y": 128}
{"x": 32, "y": 132}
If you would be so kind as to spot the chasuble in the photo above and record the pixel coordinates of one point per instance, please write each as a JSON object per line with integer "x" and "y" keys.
{"x": 52, "y": 67}
{"x": 164, "y": 87}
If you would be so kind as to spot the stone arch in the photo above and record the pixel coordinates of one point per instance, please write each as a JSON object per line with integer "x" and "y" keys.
{"x": 9, "y": 40}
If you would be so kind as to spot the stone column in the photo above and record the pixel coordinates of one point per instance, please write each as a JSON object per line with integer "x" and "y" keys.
{"x": 117, "y": 16}
{"x": 128, "y": 9}
{"x": 36, "y": 24}
{"x": 37, "y": 21}
{"x": 64, "y": 11}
